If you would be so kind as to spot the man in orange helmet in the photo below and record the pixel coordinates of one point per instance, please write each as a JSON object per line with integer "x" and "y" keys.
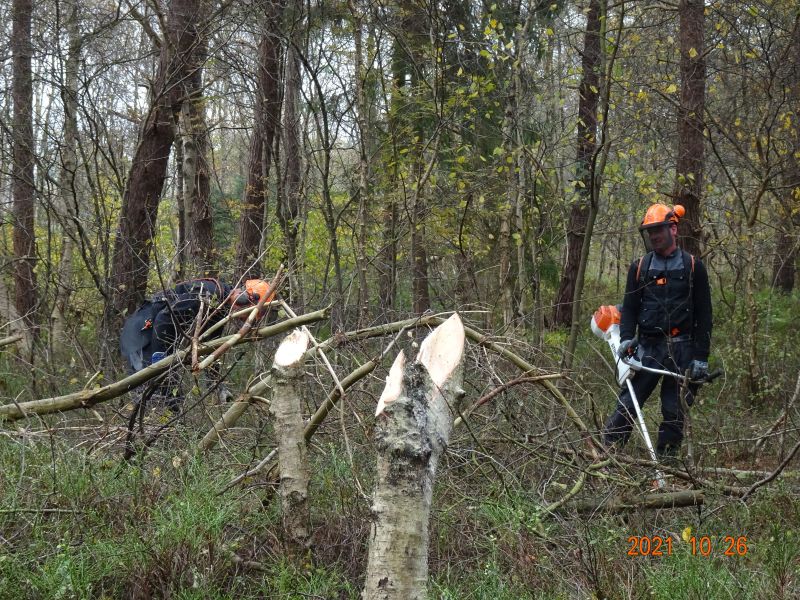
{"x": 666, "y": 322}
{"x": 166, "y": 321}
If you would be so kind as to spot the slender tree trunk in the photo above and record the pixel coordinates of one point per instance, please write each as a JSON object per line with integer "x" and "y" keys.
{"x": 387, "y": 272}
{"x": 415, "y": 19}
{"x": 68, "y": 176}
{"x": 267, "y": 109}
{"x": 145, "y": 182}
{"x": 364, "y": 192}
{"x": 199, "y": 221}
{"x": 691, "y": 139}
{"x": 786, "y": 251}
{"x": 180, "y": 202}
{"x": 507, "y": 212}
{"x": 289, "y": 207}
{"x": 420, "y": 291}
{"x": 587, "y": 144}
{"x": 511, "y": 215}
{"x": 22, "y": 185}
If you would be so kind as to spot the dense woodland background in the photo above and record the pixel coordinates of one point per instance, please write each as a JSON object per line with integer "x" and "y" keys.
{"x": 398, "y": 158}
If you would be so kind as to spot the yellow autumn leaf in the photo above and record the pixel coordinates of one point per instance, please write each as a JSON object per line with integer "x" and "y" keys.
{"x": 671, "y": 88}
{"x": 686, "y": 534}
{"x": 692, "y": 53}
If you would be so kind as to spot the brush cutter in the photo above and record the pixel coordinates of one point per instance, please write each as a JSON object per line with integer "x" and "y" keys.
{"x": 605, "y": 325}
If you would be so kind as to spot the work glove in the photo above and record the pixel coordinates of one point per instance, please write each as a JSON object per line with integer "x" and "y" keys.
{"x": 698, "y": 369}
{"x": 628, "y": 348}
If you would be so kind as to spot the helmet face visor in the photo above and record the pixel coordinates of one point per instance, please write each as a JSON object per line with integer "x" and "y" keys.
{"x": 657, "y": 237}
{"x": 646, "y": 239}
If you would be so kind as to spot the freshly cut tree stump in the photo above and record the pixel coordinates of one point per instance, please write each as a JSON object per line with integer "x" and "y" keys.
{"x": 286, "y": 407}
{"x": 414, "y": 420}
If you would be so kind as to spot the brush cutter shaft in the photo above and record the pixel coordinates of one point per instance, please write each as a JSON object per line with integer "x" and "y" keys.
{"x": 644, "y": 432}
{"x": 638, "y": 366}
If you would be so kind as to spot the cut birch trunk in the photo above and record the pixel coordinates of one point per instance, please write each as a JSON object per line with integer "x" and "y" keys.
{"x": 287, "y": 409}
{"x": 415, "y": 418}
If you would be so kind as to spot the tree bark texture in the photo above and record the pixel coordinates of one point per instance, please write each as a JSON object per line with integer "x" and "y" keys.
{"x": 145, "y": 182}
{"x": 289, "y": 205}
{"x": 786, "y": 251}
{"x": 587, "y": 144}
{"x": 413, "y": 428}
{"x": 364, "y": 121}
{"x": 267, "y": 114}
{"x": 287, "y": 409}
{"x": 180, "y": 204}
{"x": 22, "y": 185}
{"x": 691, "y": 139}
{"x": 68, "y": 176}
{"x": 197, "y": 171}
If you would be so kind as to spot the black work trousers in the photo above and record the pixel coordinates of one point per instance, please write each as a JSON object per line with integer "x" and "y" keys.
{"x": 658, "y": 353}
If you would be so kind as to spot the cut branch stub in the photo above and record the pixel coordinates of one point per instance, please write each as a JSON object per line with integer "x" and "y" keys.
{"x": 394, "y": 383}
{"x": 291, "y": 349}
{"x": 413, "y": 428}
{"x": 441, "y": 352}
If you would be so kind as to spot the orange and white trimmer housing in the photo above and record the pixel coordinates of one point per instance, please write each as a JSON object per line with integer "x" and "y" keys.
{"x": 605, "y": 325}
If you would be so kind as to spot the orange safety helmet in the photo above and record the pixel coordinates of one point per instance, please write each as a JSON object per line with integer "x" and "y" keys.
{"x": 257, "y": 289}
{"x": 661, "y": 214}
{"x": 252, "y": 291}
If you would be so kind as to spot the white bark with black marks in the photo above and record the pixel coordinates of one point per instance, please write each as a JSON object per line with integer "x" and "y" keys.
{"x": 287, "y": 409}
{"x": 414, "y": 421}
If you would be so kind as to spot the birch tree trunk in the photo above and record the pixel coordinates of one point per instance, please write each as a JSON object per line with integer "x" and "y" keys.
{"x": 286, "y": 407}
{"x": 68, "y": 174}
{"x": 414, "y": 423}
{"x": 197, "y": 172}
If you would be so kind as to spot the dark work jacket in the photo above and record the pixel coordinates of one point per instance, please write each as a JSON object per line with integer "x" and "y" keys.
{"x": 158, "y": 324}
{"x": 668, "y": 300}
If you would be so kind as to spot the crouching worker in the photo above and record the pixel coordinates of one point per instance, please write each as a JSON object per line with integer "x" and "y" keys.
{"x": 166, "y": 322}
{"x": 668, "y": 305}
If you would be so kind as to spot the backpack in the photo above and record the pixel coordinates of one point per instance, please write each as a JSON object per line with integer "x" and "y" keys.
{"x": 158, "y": 323}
